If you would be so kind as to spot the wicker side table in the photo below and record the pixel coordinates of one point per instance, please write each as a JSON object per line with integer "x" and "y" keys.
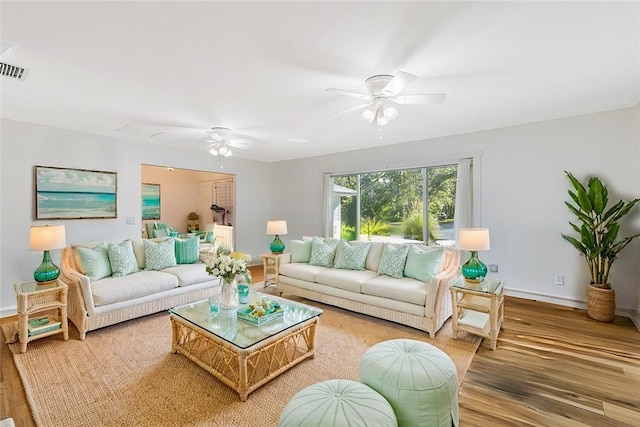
{"x": 34, "y": 298}
{"x": 271, "y": 266}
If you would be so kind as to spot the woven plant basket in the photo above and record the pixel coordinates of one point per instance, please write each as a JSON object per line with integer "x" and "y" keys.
{"x": 601, "y": 304}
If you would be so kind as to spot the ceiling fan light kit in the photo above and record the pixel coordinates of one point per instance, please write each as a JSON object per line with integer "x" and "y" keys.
{"x": 384, "y": 92}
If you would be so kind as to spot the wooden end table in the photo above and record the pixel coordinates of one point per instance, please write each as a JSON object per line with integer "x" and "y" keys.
{"x": 478, "y": 308}
{"x": 34, "y": 298}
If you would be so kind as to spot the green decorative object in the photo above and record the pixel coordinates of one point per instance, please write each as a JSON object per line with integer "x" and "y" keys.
{"x": 277, "y": 245}
{"x": 597, "y": 228}
{"x": 47, "y": 270}
{"x": 474, "y": 269}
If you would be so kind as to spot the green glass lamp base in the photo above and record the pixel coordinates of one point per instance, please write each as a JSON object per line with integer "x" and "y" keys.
{"x": 277, "y": 246}
{"x": 46, "y": 271}
{"x": 474, "y": 269}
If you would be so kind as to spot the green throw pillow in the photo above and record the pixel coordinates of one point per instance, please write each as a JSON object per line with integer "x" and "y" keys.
{"x": 95, "y": 261}
{"x": 187, "y": 250}
{"x": 322, "y": 253}
{"x": 352, "y": 257}
{"x": 122, "y": 259}
{"x": 422, "y": 262}
{"x": 160, "y": 255}
{"x": 209, "y": 237}
{"x": 300, "y": 251}
{"x": 392, "y": 261}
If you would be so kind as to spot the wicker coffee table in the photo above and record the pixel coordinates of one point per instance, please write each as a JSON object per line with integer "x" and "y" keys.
{"x": 238, "y": 353}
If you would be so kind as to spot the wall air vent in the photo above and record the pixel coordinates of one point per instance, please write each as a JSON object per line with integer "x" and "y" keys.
{"x": 12, "y": 71}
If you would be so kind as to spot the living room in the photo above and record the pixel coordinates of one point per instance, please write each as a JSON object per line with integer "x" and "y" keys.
{"x": 521, "y": 185}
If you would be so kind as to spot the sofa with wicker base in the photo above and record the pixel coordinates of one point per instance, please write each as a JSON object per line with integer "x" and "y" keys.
{"x": 150, "y": 286}
{"x": 412, "y": 292}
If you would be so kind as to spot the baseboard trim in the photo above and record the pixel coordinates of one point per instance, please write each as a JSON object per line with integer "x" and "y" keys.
{"x": 569, "y": 302}
{"x": 12, "y": 310}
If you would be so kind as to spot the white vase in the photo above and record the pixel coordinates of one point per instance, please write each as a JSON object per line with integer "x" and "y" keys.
{"x": 229, "y": 294}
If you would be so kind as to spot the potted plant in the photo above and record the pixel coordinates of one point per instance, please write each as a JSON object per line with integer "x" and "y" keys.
{"x": 597, "y": 227}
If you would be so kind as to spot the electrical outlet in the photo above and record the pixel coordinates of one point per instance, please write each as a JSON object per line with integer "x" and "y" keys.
{"x": 493, "y": 268}
{"x": 558, "y": 280}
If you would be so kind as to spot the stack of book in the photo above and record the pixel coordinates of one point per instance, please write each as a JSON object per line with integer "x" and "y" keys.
{"x": 43, "y": 325}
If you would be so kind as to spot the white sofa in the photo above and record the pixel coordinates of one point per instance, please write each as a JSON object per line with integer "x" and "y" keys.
{"x": 424, "y": 305}
{"x": 93, "y": 304}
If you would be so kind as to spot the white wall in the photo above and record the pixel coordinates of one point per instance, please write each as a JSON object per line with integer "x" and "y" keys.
{"x": 23, "y": 145}
{"x": 523, "y": 189}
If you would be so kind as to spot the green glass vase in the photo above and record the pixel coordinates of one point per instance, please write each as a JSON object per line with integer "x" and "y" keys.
{"x": 47, "y": 270}
{"x": 277, "y": 245}
{"x": 474, "y": 269}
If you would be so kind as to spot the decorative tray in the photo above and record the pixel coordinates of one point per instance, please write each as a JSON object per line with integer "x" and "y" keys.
{"x": 247, "y": 314}
{"x": 261, "y": 311}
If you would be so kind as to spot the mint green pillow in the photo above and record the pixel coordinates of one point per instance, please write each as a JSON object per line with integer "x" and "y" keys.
{"x": 392, "y": 261}
{"x": 160, "y": 255}
{"x": 352, "y": 257}
{"x": 422, "y": 262}
{"x": 122, "y": 259}
{"x": 187, "y": 250}
{"x": 209, "y": 237}
{"x": 95, "y": 261}
{"x": 322, "y": 253}
{"x": 300, "y": 251}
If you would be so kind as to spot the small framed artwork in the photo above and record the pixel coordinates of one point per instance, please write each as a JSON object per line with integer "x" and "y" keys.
{"x": 63, "y": 193}
{"x": 150, "y": 201}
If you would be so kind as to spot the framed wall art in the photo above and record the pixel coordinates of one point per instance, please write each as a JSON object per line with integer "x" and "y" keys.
{"x": 63, "y": 193}
{"x": 150, "y": 201}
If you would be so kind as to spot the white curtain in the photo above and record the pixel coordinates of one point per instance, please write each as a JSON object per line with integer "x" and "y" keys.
{"x": 464, "y": 196}
{"x": 327, "y": 216}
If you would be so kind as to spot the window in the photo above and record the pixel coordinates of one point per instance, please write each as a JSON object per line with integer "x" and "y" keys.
{"x": 397, "y": 205}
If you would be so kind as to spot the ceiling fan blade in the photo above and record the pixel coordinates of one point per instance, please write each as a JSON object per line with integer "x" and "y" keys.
{"x": 350, "y": 109}
{"x": 348, "y": 93}
{"x": 397, "y": 83}
{"x": 237, "y": 144}
{"x": 427, "y": 98}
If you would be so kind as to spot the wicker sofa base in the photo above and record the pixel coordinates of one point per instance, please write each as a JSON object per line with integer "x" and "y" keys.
{"x": 428, "y": 324}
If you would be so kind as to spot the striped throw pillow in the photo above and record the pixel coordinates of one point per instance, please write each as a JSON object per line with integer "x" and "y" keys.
{"x": 187, "y": 250}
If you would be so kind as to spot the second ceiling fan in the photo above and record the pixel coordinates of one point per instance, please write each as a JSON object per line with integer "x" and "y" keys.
{"x": 384, "y": 94}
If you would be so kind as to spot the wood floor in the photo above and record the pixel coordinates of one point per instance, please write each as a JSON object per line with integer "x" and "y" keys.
{"x": 552, "y": 367}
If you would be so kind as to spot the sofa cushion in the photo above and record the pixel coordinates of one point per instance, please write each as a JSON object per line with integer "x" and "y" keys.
{"x": 159, "y": 255}
{"x": 93, "y": 262}
{"x": 190, "y": 274}
{"x": 116, "y": 289}
{"x": 423, "y": 262}
{"x": 349, "y": 280}
{"x": 351, "y": 257}
{"x": 187, "y": 250}
{"x": 406, "y": 289}
{"x": 301, "y": 271}
{"x": 122, "y": 259}
{"x": 323, "y": 253}
{"x": 393, "y": 260}
{"x": 300, "y": 250}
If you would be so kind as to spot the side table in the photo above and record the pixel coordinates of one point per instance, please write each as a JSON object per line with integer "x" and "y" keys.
{"x": 271, "y": 265}
{"x": 478, "y": 308}
{"x": 34, "y": 298}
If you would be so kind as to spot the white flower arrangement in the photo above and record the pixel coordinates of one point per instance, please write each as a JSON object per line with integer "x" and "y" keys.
{"x": 228, "y": 264}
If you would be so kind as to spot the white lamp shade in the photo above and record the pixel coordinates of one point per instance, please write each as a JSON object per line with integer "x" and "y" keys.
{"x": 474, "y": 239}
{"x": 47, "y": 237}
{"x": 278, "y": 227}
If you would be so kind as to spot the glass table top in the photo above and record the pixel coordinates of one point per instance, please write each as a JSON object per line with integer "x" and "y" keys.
{"x": 488, "y": 286}
{"x": 241, "y": 333}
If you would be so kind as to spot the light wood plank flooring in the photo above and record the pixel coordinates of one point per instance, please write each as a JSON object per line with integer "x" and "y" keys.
{"x": 552, "y": 367}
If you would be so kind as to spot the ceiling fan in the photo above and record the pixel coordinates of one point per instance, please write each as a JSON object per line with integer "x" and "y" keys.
{"x": 384, "y": 95}
{"x": 220, "y": 141}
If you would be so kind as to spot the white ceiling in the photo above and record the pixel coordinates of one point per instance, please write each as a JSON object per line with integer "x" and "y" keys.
{"x": 261, "y": 68}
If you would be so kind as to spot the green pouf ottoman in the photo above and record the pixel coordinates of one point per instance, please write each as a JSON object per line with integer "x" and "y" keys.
{"x": 337, "y": 403}
{"x": 418, "y": 380}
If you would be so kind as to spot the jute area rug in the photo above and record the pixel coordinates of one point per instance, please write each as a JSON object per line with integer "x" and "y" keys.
{"x": 125, "y": 375}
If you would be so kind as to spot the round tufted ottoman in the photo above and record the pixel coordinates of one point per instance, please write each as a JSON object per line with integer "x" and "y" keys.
{"x": 418, "y": 380}
{"x": 337, "y": 403}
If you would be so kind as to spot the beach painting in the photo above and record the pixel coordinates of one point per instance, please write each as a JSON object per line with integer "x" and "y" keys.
{"x": 63, "y": 193}
{"x": 150, "y": 201}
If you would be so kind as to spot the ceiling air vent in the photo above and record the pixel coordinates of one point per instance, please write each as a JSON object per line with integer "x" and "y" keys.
{"x": 12, "y": 71}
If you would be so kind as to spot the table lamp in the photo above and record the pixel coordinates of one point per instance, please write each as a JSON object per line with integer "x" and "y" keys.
{"x": 276, "y": 228}
{"x": 44, "y": 238}
{"x": 474, "y": 240}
